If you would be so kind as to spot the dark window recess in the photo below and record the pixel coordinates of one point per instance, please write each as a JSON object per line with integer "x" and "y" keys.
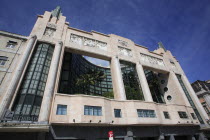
{"x": 3, "y": 60}
{"x": 11, "y": 44}
{"x": 154, "y": 86}
{"x": 169, "y": 97}
{"x": 166, "y": 114}
{"x": 182, "y": 114}
{"x": 117, "y": 113}
{"x": 165, "y": 89}
{"x": 193, "y": 116}
{"x": 61, "y": 110}
{"x": 131, "y": 81}
{"x": 93, "y": 110}
{"x": 29, "y": 98}
{"x": 79, "y": 76}
{"x": 189, "y": 98}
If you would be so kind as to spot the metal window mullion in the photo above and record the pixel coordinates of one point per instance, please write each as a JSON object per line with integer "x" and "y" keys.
{"x": 31, "y": 78}
{"x": 35, "y": 95}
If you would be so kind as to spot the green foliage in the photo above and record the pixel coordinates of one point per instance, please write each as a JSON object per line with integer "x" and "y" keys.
{"x": 90, "y": 78}
{"x": 109, "y": 94}
{"x": 133, "y": 94}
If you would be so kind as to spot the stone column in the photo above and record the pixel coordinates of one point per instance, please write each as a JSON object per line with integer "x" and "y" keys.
{"x": 17, "y": 75}
{"x": 144, "y": 83}
{"x": 207, "y": 99}
{"x": 50, "y": 85}
{"x": 117, "y": 79}
{"x": 176, "y": 81}
{"x": 194, "y": 97}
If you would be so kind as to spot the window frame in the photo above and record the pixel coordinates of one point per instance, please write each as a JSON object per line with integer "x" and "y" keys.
{"x": 183, "y": 115}
{"x": 146, "y": 113}
{"x": 11, "y": 43}
{"x": 92, "y": 110}
{"x": 63, "y": 110}
{"x": 3, "y": 60}
{"x": 116, "y": 115}
{"x": 166, "y": 115}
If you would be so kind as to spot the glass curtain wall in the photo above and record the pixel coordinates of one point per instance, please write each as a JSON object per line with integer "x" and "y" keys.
{"x": 131, "y": 81}
{"x": 154, "y": 86}
{"x": 189, "y": 98}
{"x": 29, "y": 97}
{"x": 79, "y": 76}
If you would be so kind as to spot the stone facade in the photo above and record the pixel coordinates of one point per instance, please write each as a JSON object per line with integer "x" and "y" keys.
{"x": 38, "y": 111}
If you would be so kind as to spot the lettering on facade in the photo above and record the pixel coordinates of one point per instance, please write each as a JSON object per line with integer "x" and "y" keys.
{"x": 123, "y": 43}
{"x": 49, "y": 32}
{"x": 125, "y": 51}
{"x": 88, "y": 42}
{"x": 151, "y": 59}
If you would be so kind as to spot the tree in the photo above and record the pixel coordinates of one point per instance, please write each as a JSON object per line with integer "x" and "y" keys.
{"x": 91, "y": 77}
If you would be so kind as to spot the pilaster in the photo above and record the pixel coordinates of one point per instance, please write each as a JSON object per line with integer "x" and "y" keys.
{"x": 117, "y": 79}
{"x": 144, "y": 83}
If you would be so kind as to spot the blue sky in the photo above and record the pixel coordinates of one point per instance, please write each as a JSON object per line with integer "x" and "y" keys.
{"x": 183, "y": 26}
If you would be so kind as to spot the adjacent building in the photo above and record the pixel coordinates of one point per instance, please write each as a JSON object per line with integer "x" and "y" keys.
{"x": 202, "y": 90}
{"x": 49, "y": 90}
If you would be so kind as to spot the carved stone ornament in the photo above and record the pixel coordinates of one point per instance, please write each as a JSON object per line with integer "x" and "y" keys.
{"x": 125, "y": 51}
{"x": 51, "y": 25}
{"x": 49, "y": 32}
{"x": 151, "y": 60}
{"x": 76, "y": 39}
{"x": 123, "y": 43}
{"x": 88, "y": 42}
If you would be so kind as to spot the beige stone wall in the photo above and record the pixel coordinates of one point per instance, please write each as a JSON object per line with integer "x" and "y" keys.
{"x": 75, "y": 111}
{"x": 13, "y": 54}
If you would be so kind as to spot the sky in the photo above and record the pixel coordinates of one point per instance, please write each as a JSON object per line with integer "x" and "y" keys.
{"x": 183, "y": 26}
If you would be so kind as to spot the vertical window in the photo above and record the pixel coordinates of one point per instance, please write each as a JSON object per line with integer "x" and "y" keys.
{"x": 29, "y": 98}
{"x": 117, "y": 113}
{"x": 11, "y": 44}
{"x": 154, "y": 86}
{"x": 182, "y": 114}
{"x": 93, "y": 110}
{"x": 3, "y": 60}
{"x": 166, "y": 114}
{"x": 189, "y": 98}
{"x": 61, "y": 110}
{"x": 131, "y": 81}
{"x": 193, "y": 116}
{"x": 142, "y": 113}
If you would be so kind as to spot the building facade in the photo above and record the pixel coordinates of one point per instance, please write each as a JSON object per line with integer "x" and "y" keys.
{"x": 50, "y": 91}
{"x": 202, "y": 90}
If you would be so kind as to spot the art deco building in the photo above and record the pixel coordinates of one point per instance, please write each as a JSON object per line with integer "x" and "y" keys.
{"x": 202, "y": 90}
{"x": 50, "y": 90}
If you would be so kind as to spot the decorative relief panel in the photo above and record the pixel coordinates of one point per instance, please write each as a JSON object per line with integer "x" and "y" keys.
{"x": 51, "y": 25}
{"x": 151, "y": 59}
{"x": 124, "y": 51}
{"x": 76, "y": 39}
{"x": 49, "y": 32}
{"x": 123, "y": 43}
{"x": 88, "y": 42}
